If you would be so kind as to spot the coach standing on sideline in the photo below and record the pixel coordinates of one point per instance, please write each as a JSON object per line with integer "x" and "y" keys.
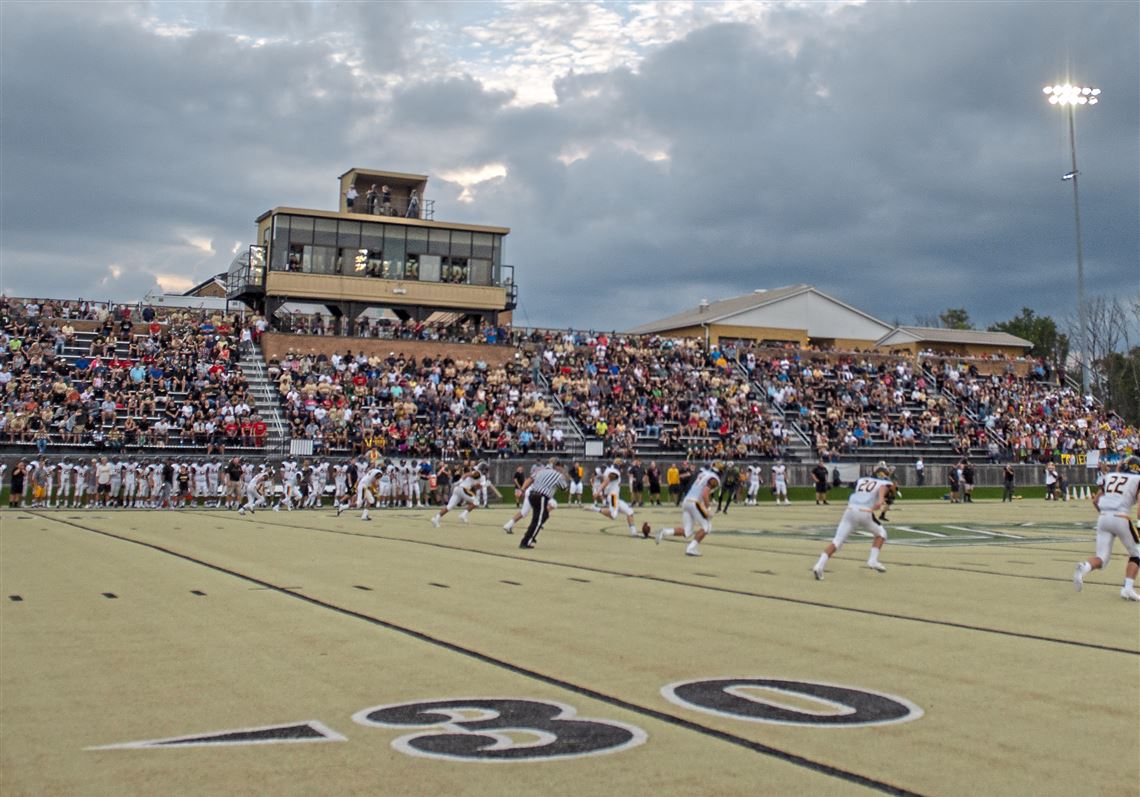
{"x": 542, "y": 484}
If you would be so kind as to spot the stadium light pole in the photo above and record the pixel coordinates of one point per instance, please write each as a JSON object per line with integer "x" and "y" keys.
{"x": 1070, "y": 97}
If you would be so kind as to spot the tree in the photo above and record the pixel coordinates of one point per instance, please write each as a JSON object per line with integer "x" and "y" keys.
{"x": 955, "y": 318}
{"x": 1040, "y": 330}
{"x": 1120, "y": 376}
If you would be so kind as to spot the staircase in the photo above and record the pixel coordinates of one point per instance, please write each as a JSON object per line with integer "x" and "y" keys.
{"x": 264, "y": 394}
{"x": 572, "y": 437}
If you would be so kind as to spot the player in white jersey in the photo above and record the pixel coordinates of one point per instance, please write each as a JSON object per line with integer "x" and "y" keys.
{"x": 696, "y": 510}
{"x": 780, "y": 482}
{"x": 415, "y": 492}
{"x": 48, "y": 481}
{"x": 63, "y": 497}
{"x": 130, "y": 472}
{"x": 201, "y": 483}
{"x": 289, "y": 489}
{"x": 142, "y": 484}
{"x": 364, "y": 491}
{"x": 318, "y": 478}
{"x": 213, "y": 474}
{"x": 866, "y": 499}
{"x": 482, "y": 491}
{"x": 340, "y": 483}
{"x": 1116, "y": 502}
{"x": 116, "y": 482}
{"x": 464, "y": 492}
{"x": 755, "y": 473}
{"x": 258, "y": 482}
{"x": 612, "y": 504}
{"x": 80, "y": 471}
{"x": 383, "y": 484}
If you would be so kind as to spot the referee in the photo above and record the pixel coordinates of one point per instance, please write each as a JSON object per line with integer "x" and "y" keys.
{"x": 542, "y": 484}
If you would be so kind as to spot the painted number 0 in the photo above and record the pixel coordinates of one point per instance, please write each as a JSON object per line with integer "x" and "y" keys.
{"x": 499, "y": 729}
{"x": 759, "y": 700}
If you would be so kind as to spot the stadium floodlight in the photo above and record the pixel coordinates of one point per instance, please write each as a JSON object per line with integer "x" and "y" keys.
{"x": 1070, "y": 96}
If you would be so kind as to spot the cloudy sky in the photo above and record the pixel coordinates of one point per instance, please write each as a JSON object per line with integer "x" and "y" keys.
{"x": 646, "y": 155}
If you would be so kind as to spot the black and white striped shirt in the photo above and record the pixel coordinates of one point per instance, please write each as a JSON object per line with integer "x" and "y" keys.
{"x": 546, "y": 481}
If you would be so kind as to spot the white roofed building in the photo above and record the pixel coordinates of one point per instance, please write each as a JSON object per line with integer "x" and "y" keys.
{"x": 796, "y": 314}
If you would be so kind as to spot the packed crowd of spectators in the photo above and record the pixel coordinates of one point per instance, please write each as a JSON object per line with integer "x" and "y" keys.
{"x": 848, "y": 402}
{"x": 133, "y": 377}
{"x": 401, "y": 406}
{"x": 140, "y": 376}
{"x": 1031, "y": 419}
{"x": 624, "y": 390}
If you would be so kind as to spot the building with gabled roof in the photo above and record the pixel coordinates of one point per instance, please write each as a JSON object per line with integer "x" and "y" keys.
{"x": 960, "y": 342}
{"x": 795, "y": 314}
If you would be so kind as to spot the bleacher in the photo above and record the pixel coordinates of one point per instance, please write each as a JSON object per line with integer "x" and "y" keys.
{"x": 638, "y": 396}
{"x": 76, "y": 383}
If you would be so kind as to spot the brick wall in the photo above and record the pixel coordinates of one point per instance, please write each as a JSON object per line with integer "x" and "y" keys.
{"x": 275, "y": 344}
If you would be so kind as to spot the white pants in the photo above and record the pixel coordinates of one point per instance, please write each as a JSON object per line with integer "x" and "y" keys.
{"x": 692, "y": 516}
{"x": 1111, "y": 527}
{"x": 460, "y": 496}
{"x": 614, "y": 506}
{"x": 856, "y": 519}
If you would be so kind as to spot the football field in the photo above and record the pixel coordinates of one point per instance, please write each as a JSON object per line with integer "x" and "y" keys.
{"x": 202, "y": 653}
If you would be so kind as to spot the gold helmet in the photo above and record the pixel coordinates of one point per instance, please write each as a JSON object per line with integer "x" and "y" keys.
{"x": 1132, "y": 464}
{"x": 882, "y": 470}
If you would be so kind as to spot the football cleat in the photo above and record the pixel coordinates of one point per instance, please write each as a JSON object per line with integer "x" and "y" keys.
{"x": 1129, "y": 594}
{"x": 1078, "y": 578}
{"x": 878, "y": 568}
{"x": 818, "y": 573}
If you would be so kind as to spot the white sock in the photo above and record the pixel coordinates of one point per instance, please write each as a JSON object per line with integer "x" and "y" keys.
{"x": 874, "y": 557}
{"x": 1085, "y": 567}
{"x": 822, "y": 561}
{"x": 1129, "y": 583}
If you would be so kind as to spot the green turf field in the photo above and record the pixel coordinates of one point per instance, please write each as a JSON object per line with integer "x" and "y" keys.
{"x": 199, "y": 653}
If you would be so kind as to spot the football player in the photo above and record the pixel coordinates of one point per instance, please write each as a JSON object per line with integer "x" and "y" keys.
{"x": 866, "y": 499}
{"x": 1116, "y": 503}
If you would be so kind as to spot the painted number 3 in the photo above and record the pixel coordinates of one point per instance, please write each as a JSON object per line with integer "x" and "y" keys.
{"x": 499, "y": 729}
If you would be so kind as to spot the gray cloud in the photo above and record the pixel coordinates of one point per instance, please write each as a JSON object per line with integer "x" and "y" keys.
{"x": 898, "y": 156}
